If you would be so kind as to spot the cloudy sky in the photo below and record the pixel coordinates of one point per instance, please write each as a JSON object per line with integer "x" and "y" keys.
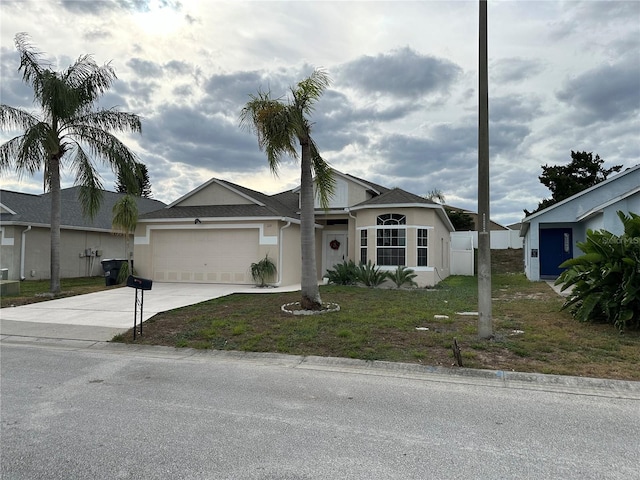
{"x": 402, "y": 107}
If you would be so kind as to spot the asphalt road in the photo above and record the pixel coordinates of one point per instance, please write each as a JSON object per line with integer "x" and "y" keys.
{"x": 116, "y": 412}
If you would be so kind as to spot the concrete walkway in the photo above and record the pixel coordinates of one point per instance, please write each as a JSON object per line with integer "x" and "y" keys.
{"x": 557, "y": 288}
{"x": 101, "y": 315}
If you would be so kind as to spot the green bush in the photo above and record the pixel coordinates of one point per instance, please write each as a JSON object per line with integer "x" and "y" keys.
{"x": 403, "y": 276}
{"x": 606, "y": 279}
{"x": 345, "y": 273}
{"x": 370, "y": 275}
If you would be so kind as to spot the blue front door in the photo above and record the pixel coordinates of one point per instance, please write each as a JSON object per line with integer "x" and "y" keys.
{"x": 556, "y": 246}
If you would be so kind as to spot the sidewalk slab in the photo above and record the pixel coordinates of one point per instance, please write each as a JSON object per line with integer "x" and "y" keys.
{"x": 107, "y": 313}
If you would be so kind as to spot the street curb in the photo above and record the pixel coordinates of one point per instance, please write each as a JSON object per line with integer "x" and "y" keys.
{"x": 509, "y": 379}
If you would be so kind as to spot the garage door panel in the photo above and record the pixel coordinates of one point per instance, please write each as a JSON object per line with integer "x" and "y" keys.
{"x": 207, "y": 256}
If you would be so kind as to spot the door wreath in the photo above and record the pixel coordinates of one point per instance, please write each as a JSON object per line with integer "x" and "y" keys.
{"x": 334, "y": 244}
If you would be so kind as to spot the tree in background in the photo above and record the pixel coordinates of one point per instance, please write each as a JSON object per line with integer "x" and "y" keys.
{"x": 123, "y": 222}
{"x": 461, "y": 221}
{"x": 280, "y": 126}
{"x": 435, "y": 195}
{"x": 68, "y": 132}
{"x": 583, "y": 172}
{"x": 141, "y": 182}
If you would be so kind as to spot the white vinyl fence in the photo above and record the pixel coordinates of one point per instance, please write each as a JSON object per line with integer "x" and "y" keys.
{"x": 463, "y": 243}
{"x": 462, "y": 253}
{"x": 500, "y": 239}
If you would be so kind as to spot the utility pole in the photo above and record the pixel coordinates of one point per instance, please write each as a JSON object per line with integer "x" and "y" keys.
{"x": 485, "y": 326}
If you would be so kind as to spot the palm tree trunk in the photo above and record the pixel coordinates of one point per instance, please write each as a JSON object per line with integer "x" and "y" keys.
{"x": 54, "y": 188}
{"x": 309, "y": 276}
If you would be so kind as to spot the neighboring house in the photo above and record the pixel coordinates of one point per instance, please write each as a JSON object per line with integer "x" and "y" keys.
{"x": 550, "y": 235}
{"x": 25, "y": 234}
{"x": 213, "y": 233}
{"x": 474, "y": 216}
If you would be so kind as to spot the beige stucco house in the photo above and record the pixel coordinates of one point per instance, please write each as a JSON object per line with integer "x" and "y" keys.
{"x": 213, "y": 233}
{"x": 25, "y": 234}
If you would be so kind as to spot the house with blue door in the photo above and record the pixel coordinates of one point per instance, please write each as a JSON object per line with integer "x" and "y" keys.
{"x": 550, "y": 235}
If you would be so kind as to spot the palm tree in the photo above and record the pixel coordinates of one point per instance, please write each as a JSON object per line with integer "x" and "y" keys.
{"x": 124, "y": 221}
{"x": 279, "y": 125}
{"x": 67, "y": 132}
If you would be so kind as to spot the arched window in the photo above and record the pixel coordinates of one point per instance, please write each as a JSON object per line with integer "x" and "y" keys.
{"x": 392, "y": 219}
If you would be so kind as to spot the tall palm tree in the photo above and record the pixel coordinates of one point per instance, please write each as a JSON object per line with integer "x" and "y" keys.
{"x": 124, "y": 221}
{"x": 279, "y": 125}
{"x": 68, "y": 132}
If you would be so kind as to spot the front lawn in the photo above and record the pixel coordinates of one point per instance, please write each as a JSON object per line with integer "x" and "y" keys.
{"x": 416, "y": 326}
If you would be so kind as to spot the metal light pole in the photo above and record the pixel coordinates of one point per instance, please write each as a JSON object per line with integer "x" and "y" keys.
{"x": 485, "y": 327}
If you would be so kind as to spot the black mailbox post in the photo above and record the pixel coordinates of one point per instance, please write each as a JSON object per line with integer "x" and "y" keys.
{"x": 140, "y": 284}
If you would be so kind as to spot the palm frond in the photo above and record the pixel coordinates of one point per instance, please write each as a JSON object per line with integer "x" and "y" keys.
{"x": 88, "y": 179}
{"x": 108, "y": 120}
{"x": 15, "y": 118}
{"x": 325, "y": 182}
{"x": 104, "y": 146}
{"x": 270, "y": 119}
{"x": 310, "y": 89}
{"x": 27, "y": 152}
{"x": 90, "y": 79}
{"x": 29, "y": 60}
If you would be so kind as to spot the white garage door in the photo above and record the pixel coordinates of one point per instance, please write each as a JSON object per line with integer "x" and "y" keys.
{"x": 204, "y": 256}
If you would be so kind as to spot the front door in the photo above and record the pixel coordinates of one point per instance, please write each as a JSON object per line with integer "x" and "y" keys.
{"x": 335, "y": 249}
{"x": 556, "y": 245}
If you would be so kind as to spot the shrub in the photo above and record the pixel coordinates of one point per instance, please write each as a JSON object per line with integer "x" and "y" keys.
{"x": 370, "y": 275}
{"x": 345, "y": 273}
{"x": 606, "y": 279}
{"x": 263, "y": 270}
{"x": 403, "y": 276}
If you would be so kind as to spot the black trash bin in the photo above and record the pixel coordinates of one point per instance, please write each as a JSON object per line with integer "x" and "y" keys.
{"x": 111, "y": 268}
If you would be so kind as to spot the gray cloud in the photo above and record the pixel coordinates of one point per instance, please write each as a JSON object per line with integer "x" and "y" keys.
{"x": 512, "y": 70}
{"x": 514, "y": 108}
{"x": 178, "y": 67}
{"x": 401, "y": 73}
{"x": 145, "y": 68}
{"x": 604, "y": 93}
{"x": 187, "y": 135}
{"x": 97, "y": 34}
{"x": 13, "y": 90}
{"x": 98, "y": 7}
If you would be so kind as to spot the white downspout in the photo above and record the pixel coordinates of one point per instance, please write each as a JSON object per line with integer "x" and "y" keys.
{"x": 356, "y": 250}
{"x": 278, "y": 283}
{"x": 23, "y": 251}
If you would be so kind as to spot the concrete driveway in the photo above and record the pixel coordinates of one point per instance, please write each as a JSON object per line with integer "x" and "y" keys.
{"x": 99, "y": 316}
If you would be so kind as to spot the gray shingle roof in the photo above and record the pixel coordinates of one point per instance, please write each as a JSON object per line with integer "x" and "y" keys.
{"x": 36, "y": 209}
{"x": 284, "y": 204}
{"x": 374, "y": 186}
{"x": 395, "y": 196}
